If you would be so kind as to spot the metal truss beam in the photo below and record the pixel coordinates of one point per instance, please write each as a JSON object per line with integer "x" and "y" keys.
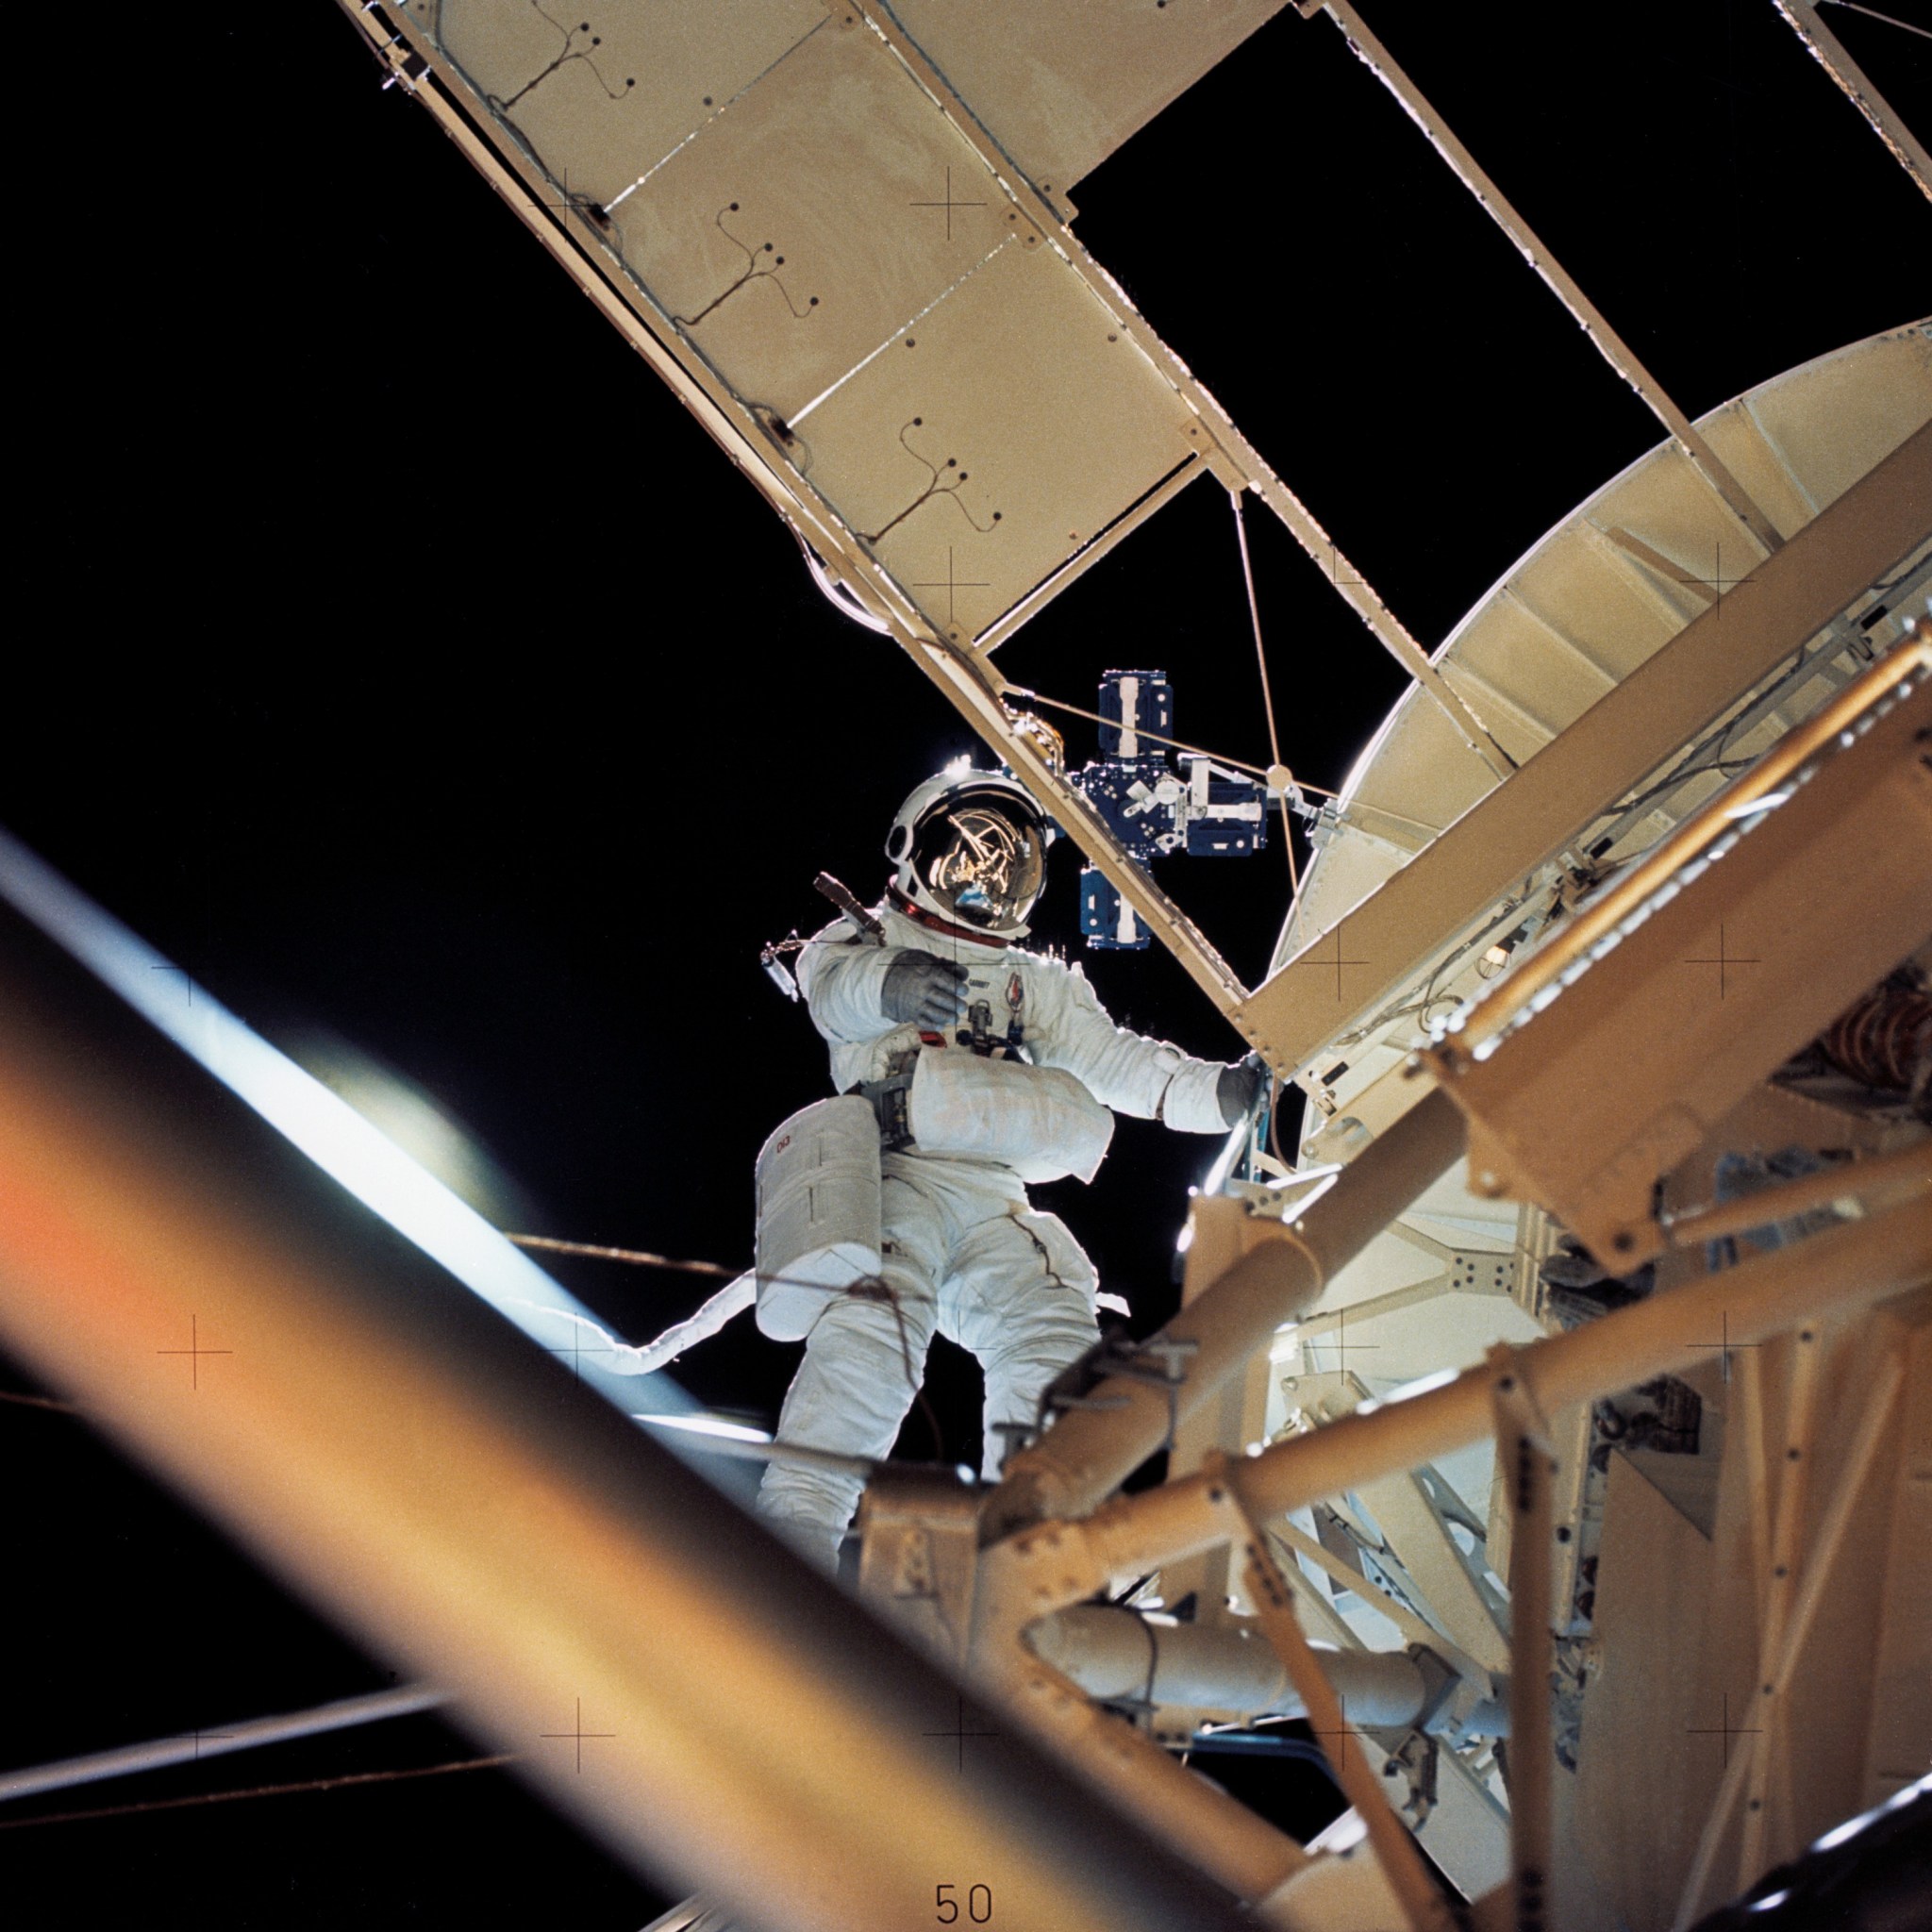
{"x": 1630, "y": 732}
{"x": 1907, "y": 150}
{"x": 1423, "y": 1904}
{"x": 1607, "y": 342}
{"x": 1089, "y": 1451}
{"x": 966, "y": 678}
{"x": 1788, "y": 855}
{"x": 1239, "y": 461}
{"x": 1420, "y": 1539}
{"x": 1050, "y": 1565}
{"x": 1528, "y": 1467}
{"x": 1789, "y": 1609}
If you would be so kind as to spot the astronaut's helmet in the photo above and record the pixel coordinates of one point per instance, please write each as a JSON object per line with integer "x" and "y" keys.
{"x": 971, "y": 847}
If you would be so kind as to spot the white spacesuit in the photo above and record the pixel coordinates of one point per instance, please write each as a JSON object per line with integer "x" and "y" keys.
{"x": 949, "y": 1029}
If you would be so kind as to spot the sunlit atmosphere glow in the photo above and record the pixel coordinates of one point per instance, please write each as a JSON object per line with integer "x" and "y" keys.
{"x": 326, "y": 1127}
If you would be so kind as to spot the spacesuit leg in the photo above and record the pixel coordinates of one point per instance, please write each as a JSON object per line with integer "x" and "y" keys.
{"x": 864, "y": 1360}
{"x": 1021, "y": 1297}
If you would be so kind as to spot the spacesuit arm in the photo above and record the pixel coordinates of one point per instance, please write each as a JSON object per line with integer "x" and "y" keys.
{"x": 843, "y": 976}
{"x": 1123, "y": 1070}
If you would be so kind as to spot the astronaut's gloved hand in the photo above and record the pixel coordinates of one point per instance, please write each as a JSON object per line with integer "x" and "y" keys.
{"x": 1240, "y": 1088}
{"x": 924, "y": 991}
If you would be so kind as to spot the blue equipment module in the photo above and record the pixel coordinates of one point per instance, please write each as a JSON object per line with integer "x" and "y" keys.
{"x": 1155, "y": 803}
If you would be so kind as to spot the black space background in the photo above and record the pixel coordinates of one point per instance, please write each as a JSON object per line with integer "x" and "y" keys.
{"x": 397, "y": 655}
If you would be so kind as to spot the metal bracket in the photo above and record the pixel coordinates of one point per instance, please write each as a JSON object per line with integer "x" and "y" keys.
{"x": 1637, "y": 978}
{"x": 919, "y": 1552}
{"x": 1159, "y": 1364}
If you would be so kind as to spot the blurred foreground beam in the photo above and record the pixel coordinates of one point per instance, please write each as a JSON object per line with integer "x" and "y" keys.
{"x": 666, "y": 1671}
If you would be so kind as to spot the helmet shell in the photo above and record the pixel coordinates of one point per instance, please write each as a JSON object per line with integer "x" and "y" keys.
{"x": 970, "y": 847}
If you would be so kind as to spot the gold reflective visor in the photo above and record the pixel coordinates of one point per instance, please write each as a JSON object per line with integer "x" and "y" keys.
{"x": 981, "y": 867}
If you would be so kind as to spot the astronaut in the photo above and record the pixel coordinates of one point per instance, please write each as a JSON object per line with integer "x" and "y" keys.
{"x": 1004, "y": 1063}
